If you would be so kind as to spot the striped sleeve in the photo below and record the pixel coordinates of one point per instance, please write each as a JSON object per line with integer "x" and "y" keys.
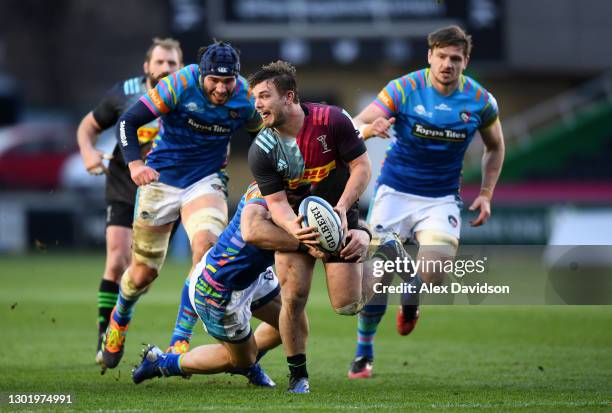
{"x": 164, "y": 97}
{"x": 489, "y": 112}
{"x": 391, "y": 97}
{"x": 254, "y": 196}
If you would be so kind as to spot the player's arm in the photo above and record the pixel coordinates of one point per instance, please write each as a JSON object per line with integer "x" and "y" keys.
{"x": 271, "y": 185}
{"x": 361, "y": 171}
{"x": 492, "y": 161}
{"x": 127, "y": 130}
{"x": 376, "y": 119}
{"x": 373, "y": 121}
{"x": 283, "y": 215}
{"x": 258, "y": 229}
{"x": 87, "y": 136}
{"x": 353, "y": 151}
{"x": 101, "y": 118}
{"x": 158, "y": 101}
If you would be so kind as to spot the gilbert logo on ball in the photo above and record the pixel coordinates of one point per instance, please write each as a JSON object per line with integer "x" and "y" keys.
{"x": 320, "y": 214}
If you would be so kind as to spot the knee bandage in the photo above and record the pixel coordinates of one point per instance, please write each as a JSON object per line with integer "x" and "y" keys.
{"x": 206, "y": 219}
{"x": 150, "y": 247}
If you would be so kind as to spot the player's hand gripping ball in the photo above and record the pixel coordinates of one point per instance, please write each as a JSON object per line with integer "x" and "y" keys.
{"x": 318, "y": 213}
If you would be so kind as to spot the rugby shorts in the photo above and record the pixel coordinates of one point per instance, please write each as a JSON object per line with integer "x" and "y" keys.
{"x": 226, "y": 313}
{"x": 406, "y": 214}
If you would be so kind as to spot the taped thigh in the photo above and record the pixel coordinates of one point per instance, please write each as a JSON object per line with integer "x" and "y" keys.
{"x": 206, "y": 219}
{"x": 150, "y": 247}
{"x": 439, "y": 241}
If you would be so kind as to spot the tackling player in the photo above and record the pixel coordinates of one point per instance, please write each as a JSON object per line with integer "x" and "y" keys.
{"x": 436, "y": 112}
{"x": 200, "y": 107}
{"x": 233, "y": 279}
{"x": 309, "y": 149}
{"x": 163, "y": 57}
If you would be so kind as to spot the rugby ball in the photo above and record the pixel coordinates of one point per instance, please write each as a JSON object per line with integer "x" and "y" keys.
{"x": 320, "y": 214}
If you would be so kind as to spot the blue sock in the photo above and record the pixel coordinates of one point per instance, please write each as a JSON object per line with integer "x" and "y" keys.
{"x": 186, "y": 318}
{"x": 170, "y": 364}
{"x": 124, "y": 309}
{"x": 367, "y": 324}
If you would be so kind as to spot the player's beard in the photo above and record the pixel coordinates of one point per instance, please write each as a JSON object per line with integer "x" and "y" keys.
{"x": 279, "y": 119}
{"x": 218, "y": 99}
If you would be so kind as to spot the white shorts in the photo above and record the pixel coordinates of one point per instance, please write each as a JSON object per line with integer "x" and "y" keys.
{"x": 226, "y": 314}
{"x": 158, "y": 204}
{"x": 406, "y": 214}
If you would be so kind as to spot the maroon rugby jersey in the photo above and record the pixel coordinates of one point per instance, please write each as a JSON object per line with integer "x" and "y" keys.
{"x": 314, "y": 162}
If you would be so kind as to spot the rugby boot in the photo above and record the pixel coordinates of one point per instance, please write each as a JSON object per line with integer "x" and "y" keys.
{"x": 258, "y": 377}
{"x": 298, "y": 385}
{"x": 99, "y": 359}
{"x": 113, "y": 343}
{"x": 405, "y": 323}
{"x": 149, "y": 366}
{"x": 361, "y": 368}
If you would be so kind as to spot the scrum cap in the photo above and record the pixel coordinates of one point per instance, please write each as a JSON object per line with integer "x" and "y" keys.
{"x": 220, "y": 59}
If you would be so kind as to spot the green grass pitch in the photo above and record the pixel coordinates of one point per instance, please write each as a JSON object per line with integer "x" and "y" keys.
{"x": 460, "y": 358}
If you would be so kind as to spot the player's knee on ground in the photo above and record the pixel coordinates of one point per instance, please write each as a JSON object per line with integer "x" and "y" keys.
{"x": 131, "y": 289}
{"x": 150, "y": 247}
{"x": 206, "y": 219}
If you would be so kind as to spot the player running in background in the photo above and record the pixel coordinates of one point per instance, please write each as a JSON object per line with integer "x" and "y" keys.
{"x": 233, "y": 279}
{"x": 200, "y": 107}
{"x": 435, "y": 112}
{"x": 309, "y": 149}
{"x": 163, "y": 57}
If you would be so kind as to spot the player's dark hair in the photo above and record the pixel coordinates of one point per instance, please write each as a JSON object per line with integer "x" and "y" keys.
{"x": 281, "y": 74}
{"x": 451, "y": 36}
{"x": 167, "y": 43}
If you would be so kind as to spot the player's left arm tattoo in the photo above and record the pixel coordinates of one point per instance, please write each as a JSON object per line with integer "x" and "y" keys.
{"x": 492, "y": 158}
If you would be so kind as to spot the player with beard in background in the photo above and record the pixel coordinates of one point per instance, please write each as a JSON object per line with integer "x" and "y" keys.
{"x": 163, "y": 57}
